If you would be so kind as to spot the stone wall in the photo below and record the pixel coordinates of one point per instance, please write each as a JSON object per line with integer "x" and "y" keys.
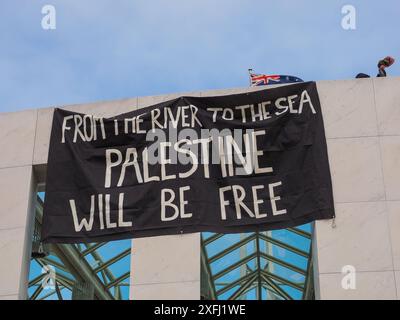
{"x": 362, "y": 123}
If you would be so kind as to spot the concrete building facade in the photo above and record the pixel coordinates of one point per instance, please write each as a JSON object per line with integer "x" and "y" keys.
{"x": 362, "y": 125}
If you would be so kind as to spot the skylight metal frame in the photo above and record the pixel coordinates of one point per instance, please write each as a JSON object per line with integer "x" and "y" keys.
{"x": 73, "y": 267}
{"x": 259, "y": 279}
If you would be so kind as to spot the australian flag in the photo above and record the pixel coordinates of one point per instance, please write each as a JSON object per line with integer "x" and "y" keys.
{"x": 263, "y": 79}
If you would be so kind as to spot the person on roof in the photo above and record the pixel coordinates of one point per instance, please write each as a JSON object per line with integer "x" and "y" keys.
{"x": 383, "y": 64}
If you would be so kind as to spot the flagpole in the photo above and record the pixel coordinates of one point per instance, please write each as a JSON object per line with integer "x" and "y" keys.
{"x": 250, "y": 71}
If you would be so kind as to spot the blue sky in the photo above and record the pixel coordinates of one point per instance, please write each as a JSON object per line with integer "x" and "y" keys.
{"x": 104, "y": 50}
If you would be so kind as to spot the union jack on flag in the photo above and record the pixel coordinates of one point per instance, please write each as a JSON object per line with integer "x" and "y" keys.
{"x": 263, "y": 79}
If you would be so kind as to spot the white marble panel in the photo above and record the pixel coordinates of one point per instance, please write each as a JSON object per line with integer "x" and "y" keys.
{"x": 369, "y": 286}
{"x": 361, "y": 238}
{"x": 17, "y": 136}
{"x": 163, "y": 259}
{"x": 348, "y": 108}
{"x": 42, "y": 136}
{"x": 106, "y": 108}
{"x": 356, "y": 171}
{"x": 12, "y": 244}
{"x": 390, "y": 148}
{"x": 166, "y": 291}
{"x": 387, "y": 96}
{"x": 15, "y": 186}
{"x": 394, "y": 225}
{"x": 9, "y": 297}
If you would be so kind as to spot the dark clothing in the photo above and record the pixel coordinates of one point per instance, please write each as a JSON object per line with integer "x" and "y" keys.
{"x": 362, "y": 75}
{"x": 381, "y": 73}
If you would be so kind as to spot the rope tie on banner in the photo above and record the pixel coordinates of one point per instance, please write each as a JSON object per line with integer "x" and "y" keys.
{"x": 333, "y": 225}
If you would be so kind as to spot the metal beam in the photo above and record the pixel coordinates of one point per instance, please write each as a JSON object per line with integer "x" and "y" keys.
{"x": 83, "y": 268}
{"x": 262, "y": 278}
{"x": 51, "y": 262}
{"x": 235, "y": 246}
{"x": 92, "y": 248}
{"x": 206, "y": 272}
{"x": 36, "y": 293}
{"x": 37, "y": 279}
{"x": 278, "y": 289}
{"x": 78, "y": 266}
{"x": 259, "y": 279}
{"x": 243, "y": 288}
{"x": 59, "y": 295}
{"x": 118, "y": 280}
{"x": 113, "y": 260}
{"x": 283, "y": 263}
{"x": 234, "y": 266}
{"x": 282, "y": 280}
{"x": 302, "y": 233}
{"x": 235, "y": 283}
{"x": 213, "y": 238}
{"x": 308, "y": 291}
{"x": 284, "y": 245}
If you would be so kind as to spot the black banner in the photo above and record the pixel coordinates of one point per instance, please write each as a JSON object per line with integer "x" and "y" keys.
{"x": 235, "y": 163}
